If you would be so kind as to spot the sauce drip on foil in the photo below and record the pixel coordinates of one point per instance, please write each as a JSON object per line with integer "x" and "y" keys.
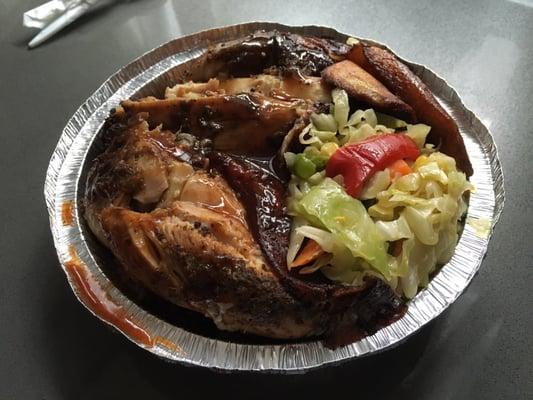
{"x": 67, "y": 213}
{"x": 97, "y": 301}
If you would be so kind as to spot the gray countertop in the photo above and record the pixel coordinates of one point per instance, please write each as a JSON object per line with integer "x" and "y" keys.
{"x": 52, "y": 348}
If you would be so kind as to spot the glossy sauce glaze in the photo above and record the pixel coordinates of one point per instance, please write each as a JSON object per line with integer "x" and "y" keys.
{"x": 213, "y": 193}
{"x": 288, "y": 52}
{"x": 226, "y": 120}
{"x": 263, "y": 197}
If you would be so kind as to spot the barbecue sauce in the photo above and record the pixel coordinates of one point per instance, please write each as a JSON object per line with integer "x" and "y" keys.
{"x": 95, "y": 298}
{"x": 67, "y": 213}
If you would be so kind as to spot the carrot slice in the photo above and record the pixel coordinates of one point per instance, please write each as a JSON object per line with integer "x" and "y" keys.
{"x": 310, "y": 252}
{"x": 399, "y": 168}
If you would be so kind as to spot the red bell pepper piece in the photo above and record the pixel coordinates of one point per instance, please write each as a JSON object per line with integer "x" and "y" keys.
{"x": 358, "y": 162}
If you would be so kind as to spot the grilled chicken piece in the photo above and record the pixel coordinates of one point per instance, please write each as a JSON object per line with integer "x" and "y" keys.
{"x": 291, "y": 53}
{"x": 202, "y": 260}
{"x": 281, "y": 88}
{"x": 401, "y": 81}
{"x": 244, "y": 124}
{"x": 214, "y": 240}
{"x": 135, "y": 171}
{"x": 364, "y": 88}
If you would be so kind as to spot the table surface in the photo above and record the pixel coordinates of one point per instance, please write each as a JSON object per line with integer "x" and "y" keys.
{"x": 52, "y": 348}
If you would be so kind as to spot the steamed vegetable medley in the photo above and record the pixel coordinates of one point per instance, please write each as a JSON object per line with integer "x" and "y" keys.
{"x": 368, "y": 196}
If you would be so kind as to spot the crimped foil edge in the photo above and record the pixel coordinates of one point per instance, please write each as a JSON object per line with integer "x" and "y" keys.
{"x": 62, "y": 183}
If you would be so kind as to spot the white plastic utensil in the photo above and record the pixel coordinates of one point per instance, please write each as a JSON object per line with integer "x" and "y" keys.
{"x": 55, "y": 15}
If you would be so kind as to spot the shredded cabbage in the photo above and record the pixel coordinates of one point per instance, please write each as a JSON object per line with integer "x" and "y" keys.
{"x": 340, "y": 127}
{"x": 341, "y": 107}
{"x": 394, "y": 230}
{"x": 418, "y": 133}
{"x": 296, "y": 239}
{"x": 379, "y": 182}
{"x": 420, "y": 211}
{"x": 324, "y": 122}
{"x": 430, "y": 200}
{"x": 347, "y": 220}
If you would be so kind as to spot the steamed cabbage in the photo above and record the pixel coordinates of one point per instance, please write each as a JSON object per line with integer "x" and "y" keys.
{"x": 418, "y": 213}
{"x": 347, "y": 221}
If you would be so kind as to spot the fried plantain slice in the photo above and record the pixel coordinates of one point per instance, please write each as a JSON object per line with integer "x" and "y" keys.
{"x": 401, "y": 81}
{"x": 363, "y": 87}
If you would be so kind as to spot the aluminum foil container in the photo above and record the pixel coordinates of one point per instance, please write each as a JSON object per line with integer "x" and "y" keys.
{"x": 84, "y": 263}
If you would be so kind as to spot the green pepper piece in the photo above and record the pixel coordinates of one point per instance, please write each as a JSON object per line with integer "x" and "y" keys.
{"x": 303, "y": 167}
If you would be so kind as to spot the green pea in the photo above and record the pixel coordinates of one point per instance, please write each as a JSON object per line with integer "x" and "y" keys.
{"x": 319, "y": 161}
{"x": 303, "y": 167}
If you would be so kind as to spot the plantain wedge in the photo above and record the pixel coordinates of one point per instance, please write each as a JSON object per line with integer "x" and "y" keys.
{"x": 401, "y": 81}
{"x": 363, "y": 87}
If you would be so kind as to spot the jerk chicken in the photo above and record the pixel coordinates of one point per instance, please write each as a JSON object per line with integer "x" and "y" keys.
{"x": 189, "y": 194}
